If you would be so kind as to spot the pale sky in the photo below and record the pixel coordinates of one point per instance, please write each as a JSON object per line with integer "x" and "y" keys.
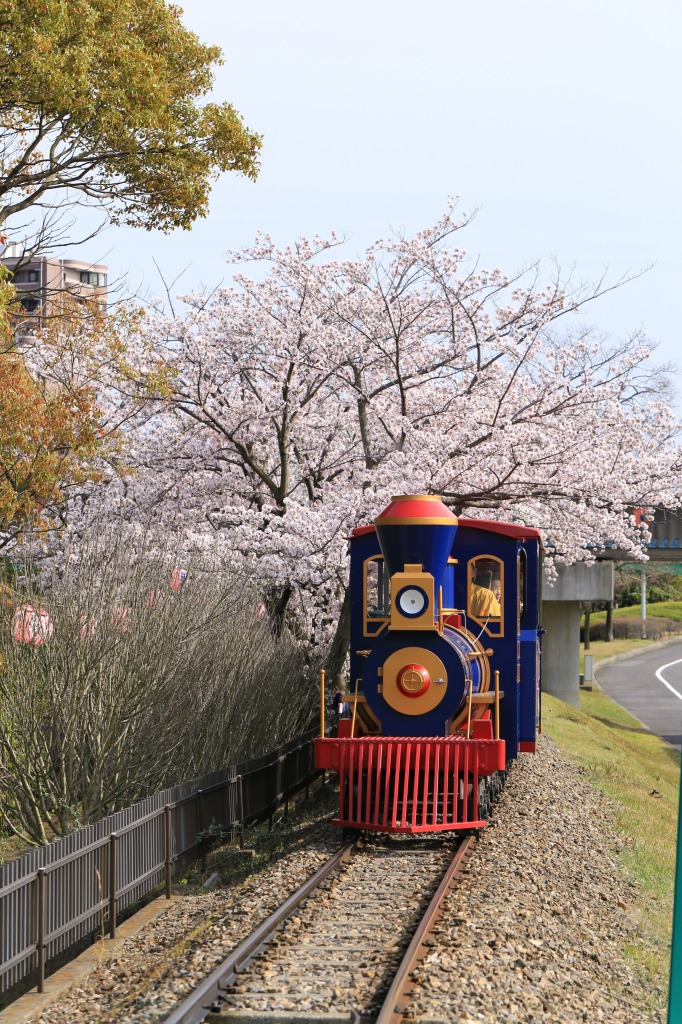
{"x": 559, "y": 122}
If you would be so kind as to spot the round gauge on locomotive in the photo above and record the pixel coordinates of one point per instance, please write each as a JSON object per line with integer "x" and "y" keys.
{"x": 412, "y": 601}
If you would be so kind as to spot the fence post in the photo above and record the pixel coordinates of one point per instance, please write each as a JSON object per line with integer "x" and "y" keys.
{"x": 113, "y": 877}
{"x": 169, "y": 852}
{"x": 240, "y": 782}
{"x": 41, "y": 929}
{"x": 675, "y": 994}
{"x": 200, "y": 822}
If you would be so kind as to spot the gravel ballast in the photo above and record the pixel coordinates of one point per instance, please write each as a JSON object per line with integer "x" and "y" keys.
{"x": 535, "y": 932}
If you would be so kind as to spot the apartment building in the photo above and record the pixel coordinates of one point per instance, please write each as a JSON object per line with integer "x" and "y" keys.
{"x": 42, "y": 282}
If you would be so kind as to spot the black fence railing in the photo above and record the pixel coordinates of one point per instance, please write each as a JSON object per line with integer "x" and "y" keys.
{"x": 57, "y": 895}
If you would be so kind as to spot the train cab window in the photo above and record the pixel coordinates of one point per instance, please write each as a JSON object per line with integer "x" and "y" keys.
{"x": 377, "y": 609}
{"x": 485, "y": 592}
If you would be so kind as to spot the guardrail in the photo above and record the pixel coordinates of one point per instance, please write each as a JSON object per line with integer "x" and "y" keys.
{"x": 56, "y": 895}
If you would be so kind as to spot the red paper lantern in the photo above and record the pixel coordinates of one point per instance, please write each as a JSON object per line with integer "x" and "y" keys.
{"x": 32, "y": 625}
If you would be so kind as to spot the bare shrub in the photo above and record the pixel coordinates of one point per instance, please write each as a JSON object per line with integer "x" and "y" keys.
{"x": 138, "y": 686}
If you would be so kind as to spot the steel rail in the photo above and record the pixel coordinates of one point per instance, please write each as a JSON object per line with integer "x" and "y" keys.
{"x": 395, "y": 1003}
{"x": 201, "y": 1001}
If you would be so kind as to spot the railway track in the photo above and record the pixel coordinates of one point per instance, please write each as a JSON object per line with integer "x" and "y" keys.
{"x": 343, "y": 946}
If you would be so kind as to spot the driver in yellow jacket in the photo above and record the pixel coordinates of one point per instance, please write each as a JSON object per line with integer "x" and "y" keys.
{"x": 484, "y": 603}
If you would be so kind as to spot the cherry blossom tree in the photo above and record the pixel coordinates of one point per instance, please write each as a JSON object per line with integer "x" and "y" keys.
{"x": 305, "y": 394}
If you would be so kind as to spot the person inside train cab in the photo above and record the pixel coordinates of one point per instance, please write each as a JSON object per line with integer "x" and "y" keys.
{"x": 484, "y": 595}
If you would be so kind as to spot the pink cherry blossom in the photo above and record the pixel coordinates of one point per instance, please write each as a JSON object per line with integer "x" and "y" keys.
{"x": 312, "y": 388}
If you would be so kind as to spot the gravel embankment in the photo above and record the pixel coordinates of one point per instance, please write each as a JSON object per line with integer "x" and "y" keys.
{"x": 536, "y": 930}
{"x": 533, "y": 935}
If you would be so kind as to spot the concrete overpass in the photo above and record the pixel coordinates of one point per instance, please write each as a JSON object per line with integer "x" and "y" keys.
{"x": 576, "y": 583}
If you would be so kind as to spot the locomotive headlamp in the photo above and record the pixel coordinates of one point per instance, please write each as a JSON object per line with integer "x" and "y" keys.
{"x": 414, "y": 604}
{"x": 412, "y": 601}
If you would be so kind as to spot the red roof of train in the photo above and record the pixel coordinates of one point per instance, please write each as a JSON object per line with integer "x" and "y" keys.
{"x": 489, "y": 525}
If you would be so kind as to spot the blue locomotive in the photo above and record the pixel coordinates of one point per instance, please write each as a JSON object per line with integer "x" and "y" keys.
{"x": 444, "y": 667}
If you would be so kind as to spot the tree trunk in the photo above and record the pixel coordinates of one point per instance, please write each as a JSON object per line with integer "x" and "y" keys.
{"x": 586, "y": 633}
{"x": 609, "y": 622}
{"x": 336, "y": 662}
{"x": 276, "y": 604}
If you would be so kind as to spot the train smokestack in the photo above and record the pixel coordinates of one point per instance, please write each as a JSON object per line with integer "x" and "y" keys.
{"x": 417, "y": 528}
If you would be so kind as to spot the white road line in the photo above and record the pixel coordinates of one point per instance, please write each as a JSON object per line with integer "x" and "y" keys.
{"x": 665, "y": 681}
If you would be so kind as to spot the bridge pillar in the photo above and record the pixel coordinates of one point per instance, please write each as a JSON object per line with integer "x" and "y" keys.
{"x": 561, "y": 650}
{"x": 561, "y": 620}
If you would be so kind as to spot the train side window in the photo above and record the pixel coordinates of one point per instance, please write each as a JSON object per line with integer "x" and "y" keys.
{"x": 376, "y": 609}
{"x": 523, "y": 559}
{"x": 485, "y": 592}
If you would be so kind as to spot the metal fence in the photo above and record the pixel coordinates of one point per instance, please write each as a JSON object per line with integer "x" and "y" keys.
{"x": 57, "y": 895}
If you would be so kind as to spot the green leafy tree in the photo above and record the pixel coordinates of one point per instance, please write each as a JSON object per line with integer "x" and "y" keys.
{"x": 66, "y": 407}
{"x": 103, "y": 101}
{"x": 661, "y": 583}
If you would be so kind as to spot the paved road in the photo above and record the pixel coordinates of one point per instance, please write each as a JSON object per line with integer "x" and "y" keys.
{"x": 649, "y": 686}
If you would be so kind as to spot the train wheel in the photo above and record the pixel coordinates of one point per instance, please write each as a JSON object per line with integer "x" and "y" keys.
{"x": 483, "y": 800}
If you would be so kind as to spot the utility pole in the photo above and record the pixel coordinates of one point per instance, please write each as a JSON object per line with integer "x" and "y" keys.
{"x": 643, "y": 601}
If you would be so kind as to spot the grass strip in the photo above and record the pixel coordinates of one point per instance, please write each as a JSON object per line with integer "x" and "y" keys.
{"x": 600, "y": 649}
{"x": 640, "y": 774}
{"x": 654, "y": 610}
